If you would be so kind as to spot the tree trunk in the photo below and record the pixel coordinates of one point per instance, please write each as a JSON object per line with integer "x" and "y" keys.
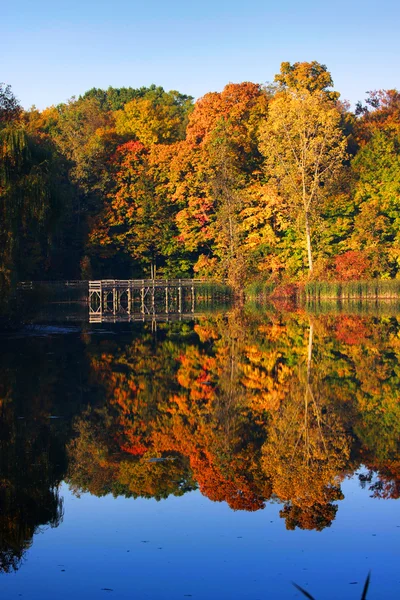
{"x": 308, "y": 237}
{"x": 309, "y": 353}
{"x": 308, "y": 393}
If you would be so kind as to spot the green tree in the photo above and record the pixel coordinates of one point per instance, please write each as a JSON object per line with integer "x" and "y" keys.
{"x": 10, "y": 109}
{"x": 26, "y": 203}
{"x": 377, "y": 202}
{"x": 85, "y": 135}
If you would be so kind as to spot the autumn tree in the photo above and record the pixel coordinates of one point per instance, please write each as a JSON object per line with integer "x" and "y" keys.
{"x": 381, "y": 111}
{"x": 226, "y": 187}
{"x": 303, "y": 145}
{"x": 134, "y": 221}
{"x": 156, "y": 117}
{"x": 219, "y": 158}
{"x": 352, "y": 265}
{"x": 310, "y": 76}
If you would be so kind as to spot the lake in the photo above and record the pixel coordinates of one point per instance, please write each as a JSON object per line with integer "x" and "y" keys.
{"x": 220, "y": 455}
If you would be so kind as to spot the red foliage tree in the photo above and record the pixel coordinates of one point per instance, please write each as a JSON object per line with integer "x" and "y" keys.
{"x": 353, "y": 264}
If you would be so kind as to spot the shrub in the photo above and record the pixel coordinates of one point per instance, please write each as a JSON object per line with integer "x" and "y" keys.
{"x": 353, "y": 264}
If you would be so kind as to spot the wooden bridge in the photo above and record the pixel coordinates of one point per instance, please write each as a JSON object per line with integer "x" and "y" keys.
{"x": 115, "y": 300}
{"x": 142, "y": 299}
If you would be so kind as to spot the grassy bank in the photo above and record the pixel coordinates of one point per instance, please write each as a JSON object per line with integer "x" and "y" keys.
{"x": 351, "y": 290}
{"x": 259, "y": 289}
{"x": 316, "y": 291}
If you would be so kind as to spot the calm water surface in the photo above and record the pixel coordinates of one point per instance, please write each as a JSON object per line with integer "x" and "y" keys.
{"x": 216, "y": 458}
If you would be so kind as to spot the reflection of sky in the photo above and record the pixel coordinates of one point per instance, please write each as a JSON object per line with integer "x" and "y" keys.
{"x": 191, "y": 547}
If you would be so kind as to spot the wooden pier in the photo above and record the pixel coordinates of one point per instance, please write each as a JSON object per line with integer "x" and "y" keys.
{"x": 141, "y": 299}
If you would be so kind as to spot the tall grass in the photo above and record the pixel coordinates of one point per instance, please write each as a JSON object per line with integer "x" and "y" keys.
{"x": 354, "y": 306}
{"x": 213, "y": 292}
{"x": 258, "y": 288}
{"x": 375, "y": 289}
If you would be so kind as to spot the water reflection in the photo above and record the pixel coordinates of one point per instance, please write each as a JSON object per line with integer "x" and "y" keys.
{"x": 249, "y": 408}
{"x": 28, "y": 486}
{"x": 40, "y": 392}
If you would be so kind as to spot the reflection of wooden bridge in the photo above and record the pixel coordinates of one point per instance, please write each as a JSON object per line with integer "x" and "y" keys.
{"x": 142, "y": 299}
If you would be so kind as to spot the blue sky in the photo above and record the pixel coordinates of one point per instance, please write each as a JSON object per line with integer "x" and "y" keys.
{"x": 51, "y": 51}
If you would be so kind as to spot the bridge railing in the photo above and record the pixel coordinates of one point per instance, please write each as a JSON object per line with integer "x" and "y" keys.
{"x": 93, "y": 284}
{"x": 70, "y": 283}
{"x": 80, "y": 283}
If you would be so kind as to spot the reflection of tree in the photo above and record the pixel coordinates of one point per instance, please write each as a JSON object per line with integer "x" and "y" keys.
{"x": 225, "y": 452}
{"x": 306, "y": 447}
{"x": 383, "y": 479}
{"x": 136, "y": 377}
{"x": 167, "y": 399}
{"x": 98, "y": 465}
{"x": 23, "y": 513}
{"x": 28, "y": 487}
{"x": 317, "y": 517}
{"x": 92, "y": 454}
{"x": 113, "y": 450}
{"x": 366, "y": 367}
{"x": 247, "y": 406}
{"x": 32, "y": 445}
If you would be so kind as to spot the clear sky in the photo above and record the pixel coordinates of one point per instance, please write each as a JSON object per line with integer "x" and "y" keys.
{"x": 50, "y": 51}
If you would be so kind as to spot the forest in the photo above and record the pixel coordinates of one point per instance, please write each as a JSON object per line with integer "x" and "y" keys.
{"x": 275, "y": 183}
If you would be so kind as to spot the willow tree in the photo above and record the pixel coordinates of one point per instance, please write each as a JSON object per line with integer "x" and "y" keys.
{"x": 29, "y": 207}
{"x": 304, "y": 147}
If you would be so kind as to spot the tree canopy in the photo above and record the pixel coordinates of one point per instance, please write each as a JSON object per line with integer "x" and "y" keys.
{"x": 276, "y": 183}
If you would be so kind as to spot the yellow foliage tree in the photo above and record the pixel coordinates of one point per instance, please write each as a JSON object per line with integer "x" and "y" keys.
{"x": 304, "y": 148}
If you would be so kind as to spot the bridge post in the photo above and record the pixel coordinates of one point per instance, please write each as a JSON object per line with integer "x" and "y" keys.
{"x": 129, "y": 298}
{"x": 153, "y": 292}
{"x": 142, "y": 298}
{"x": 95, "y": 297}
{"x": 115, "y": 298}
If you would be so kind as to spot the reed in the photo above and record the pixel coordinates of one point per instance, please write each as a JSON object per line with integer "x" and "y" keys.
{"x": 213, "y": 292}
{"x": 259, "y": 289}
{"x": 375, "y": 289}
{"x": 355, "y": 306}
